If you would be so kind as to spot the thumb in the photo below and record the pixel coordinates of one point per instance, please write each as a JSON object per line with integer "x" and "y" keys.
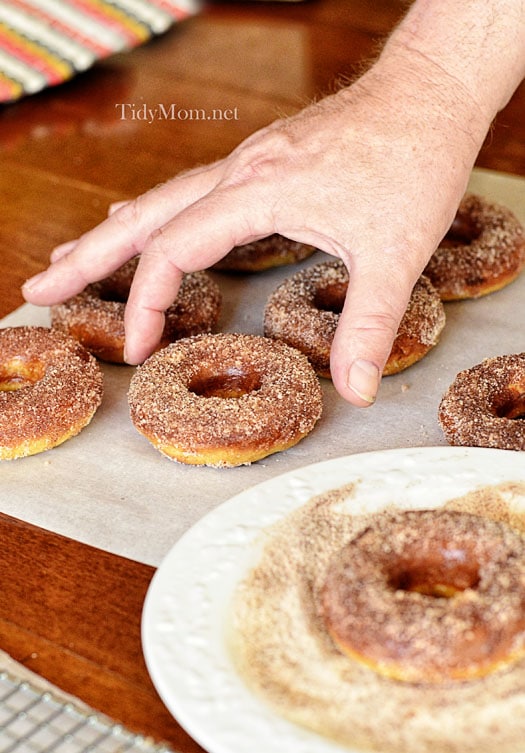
{"x": 374, "y": 306}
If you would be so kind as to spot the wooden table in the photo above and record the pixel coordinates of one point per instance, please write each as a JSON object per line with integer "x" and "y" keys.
{"x": 67, "y": 611}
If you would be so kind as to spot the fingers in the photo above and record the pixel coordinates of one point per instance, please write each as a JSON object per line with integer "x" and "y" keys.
{"x": 73, "y": 265}
{"x": 122, "y": 235}
{"x": 375, "y": 303}
{"x": 196, "y": 238}
{"x": 115, "y": 206}
{"x": 63, "y": 250}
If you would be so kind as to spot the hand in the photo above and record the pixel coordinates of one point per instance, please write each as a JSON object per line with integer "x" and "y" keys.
{"x": 372, "y": 174}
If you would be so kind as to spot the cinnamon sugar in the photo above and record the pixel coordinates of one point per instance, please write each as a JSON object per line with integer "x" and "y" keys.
{"x": 96, "y": 315}
{"x": 59, "y": 403}
{"x": 282, "y": 406}
{"x": 473, "y": 409}
{"x": 398, "y": 624}
{"x": 281, "y": 647}
{"x": 493, "y": 257}
{"x": 424, "y": 318}
{"x": 273, "y": 251}
{"x": 293, "y": 314}
{"x": 304, "y": 312}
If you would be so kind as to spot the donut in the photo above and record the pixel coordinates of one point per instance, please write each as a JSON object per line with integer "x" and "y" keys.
{"x": 50, "y": 388}
{"x": 95, "y": 317}
{"x": 225, "y": 399}
{"x": 484, "y": 404}
{"x": 274, "y": 251}
{"x": 483, "y": 251}
{"x": 304, "y": 311}
{"x": 429, "y": 596}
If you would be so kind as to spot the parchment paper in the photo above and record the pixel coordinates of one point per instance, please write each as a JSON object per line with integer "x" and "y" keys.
{"x": 110, "y": 488}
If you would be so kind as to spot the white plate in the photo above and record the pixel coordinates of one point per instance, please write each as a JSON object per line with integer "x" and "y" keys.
{"x": 186, "y": 608}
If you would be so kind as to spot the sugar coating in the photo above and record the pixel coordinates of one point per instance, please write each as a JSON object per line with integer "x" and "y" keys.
{"x": 473, "y": 409}
{"x": 96, "y": 315}
{"x": 62, "y": 400}
{"x": 273, "y": 251}
{"x": 281, "y": 647}
{"x": 405, "y": 631}
{"x": 293, "y": 315}
{"x": 493, "y": 258}
{"x": 283, "y": 405}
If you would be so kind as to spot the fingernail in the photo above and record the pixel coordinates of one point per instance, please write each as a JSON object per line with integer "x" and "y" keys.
{"x": 363, "y": 379}
{"x": 33, "y": 283}
{"x": 127, "y": 359}
{"x": 115, "y": 206}
{"x": 63, "y": 250}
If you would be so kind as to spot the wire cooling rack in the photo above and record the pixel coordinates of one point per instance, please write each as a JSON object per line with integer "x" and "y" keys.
{"x": 32, "y": 721}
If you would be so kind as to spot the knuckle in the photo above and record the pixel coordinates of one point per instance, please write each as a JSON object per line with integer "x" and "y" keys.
{"x": 376, "y": 324}
{"x": 157, "y": 243}
{"x": 260, "y": 157}
{"x": 127, "y": 215}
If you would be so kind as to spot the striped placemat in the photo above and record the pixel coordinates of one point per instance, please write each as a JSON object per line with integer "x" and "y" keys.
{"x": 46, "y": 42}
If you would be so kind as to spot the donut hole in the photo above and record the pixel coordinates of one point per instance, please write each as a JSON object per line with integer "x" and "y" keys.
{"x": 330, "y": 298}
{"x": 16, "y": 374}
{"x": 229, "y": 383}
{"x": 462, "y": 232}
{"x": 450, "y": 572}
{"x": 112, "y": 291}
{"x": 513, "y": 408}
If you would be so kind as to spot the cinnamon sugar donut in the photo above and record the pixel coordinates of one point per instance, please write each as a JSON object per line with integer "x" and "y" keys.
{"x": 224, "y": 399}
{"x": 304, "y": 311}
{"x": 95, "y": 317}
{"x": 429, "y": 596}
{"x": 50, "y": 388}
{"x": 274, "y": 251}
{"x": 483, "y": 251}
{"x": 485, "y": 405}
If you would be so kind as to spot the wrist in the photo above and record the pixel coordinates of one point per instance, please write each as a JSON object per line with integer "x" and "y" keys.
{"x": 477, "y": 47}
{"x": 427, "y": 90}
{"x": 424, "y": 103}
